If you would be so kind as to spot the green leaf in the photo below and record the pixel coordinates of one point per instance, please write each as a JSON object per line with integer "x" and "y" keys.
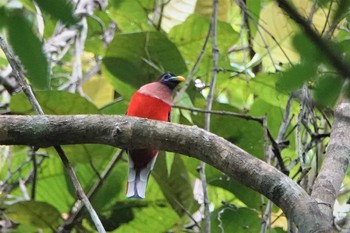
{"x": 28, "y": 4}
{"x": 185, "y": 101}
{"x": 53, "y": 185}
{"x": 253, "y": 7}
{"x": 35, "y": 213}
{"x": 244, "y": 133}
{"x": 205, "y": 8}
{"x": 119, "y": 107}
{"x": 238, "y": 92}
{"x": 28, "y": 48}
{"x": 342, "y": 11}
{"x": 134, "y": 59}
{"x": 295, "y": 77}
{"x": 53, "y": 102}
{"x": 264, "y": 87}
{"x": 190, "y": 36}
{"x": 59, "y": 9}
{"x": 176, "y": 187}
{"x": 112, "y": 188}
{"x": 150, "y": 218}
{"x": 309, "y": 53}
{"x": 2, "y": 18}
{"x": 246, "y": 195}
{"x": 170, "y": 156}
{"x": 232, "y": 219}
{"x": 130, "y": 15}
{"x": 327, "y": 89}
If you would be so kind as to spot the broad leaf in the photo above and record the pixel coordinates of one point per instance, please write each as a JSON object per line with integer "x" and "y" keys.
{"x": 205, "y": 8}
{"x": 232, "y": 219}
{"x": 35, "y": 213}
{"x": 246, "y": 195}
{"x": 190, "y": 36}
{"x": 53, "y": 102}
{"x": 134, "y": 59}
{"x": 327, "y": 90}
{"x": 148, "y": 218}
{"x": 28, "y": 48}
{"x": 130, "y": 15}
{"x": 176, "y": 187}
{"x": 59, "y": 9}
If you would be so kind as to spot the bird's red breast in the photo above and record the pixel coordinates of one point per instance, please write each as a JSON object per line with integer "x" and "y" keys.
{"x": 146, "y": 106}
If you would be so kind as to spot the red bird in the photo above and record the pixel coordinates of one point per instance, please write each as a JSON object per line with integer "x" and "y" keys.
{"x": 152, "y": 101}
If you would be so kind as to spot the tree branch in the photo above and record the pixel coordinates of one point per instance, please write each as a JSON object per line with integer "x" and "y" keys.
{"x": 333, "y": 171}
{"x": 124, "y": 131}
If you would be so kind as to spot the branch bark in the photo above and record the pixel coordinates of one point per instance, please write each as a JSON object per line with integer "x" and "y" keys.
{"x": 328, "y": 182}
{"x": 124, "y": 131}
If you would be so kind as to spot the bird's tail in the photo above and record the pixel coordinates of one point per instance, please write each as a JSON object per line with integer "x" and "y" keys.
{"x": 138, "y": 178}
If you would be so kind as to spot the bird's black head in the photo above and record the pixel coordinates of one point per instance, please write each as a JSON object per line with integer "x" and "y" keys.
{"x": 170, "y": 80}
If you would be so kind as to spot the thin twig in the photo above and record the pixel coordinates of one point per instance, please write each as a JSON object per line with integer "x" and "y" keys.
{"x": 80, "y": 192}
{"x": 266, "y": 219}
{"x": 285, "y": 120}
{"x": 327, "y": 19}
{"x": 277, "y": 153}
{"x": 218, "y": 112}
{"x": 77, "y": 73}
{"x": 19, "y": 75}
{"x": 210, "y": 98}
{"x": 78, "y": 206}
{"x": 195, "y": 223}
{"x": 194, "y": 68}
{"x": 34, "y": 177}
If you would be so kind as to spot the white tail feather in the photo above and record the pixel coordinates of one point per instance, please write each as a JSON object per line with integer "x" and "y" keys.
{"x": 137, "y": 179}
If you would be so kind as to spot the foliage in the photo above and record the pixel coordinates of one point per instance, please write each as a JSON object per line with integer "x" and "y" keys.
{"x": 92, "y": 61}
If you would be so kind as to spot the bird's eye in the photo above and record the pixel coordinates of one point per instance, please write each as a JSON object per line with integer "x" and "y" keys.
{"x": 167, "y": 76}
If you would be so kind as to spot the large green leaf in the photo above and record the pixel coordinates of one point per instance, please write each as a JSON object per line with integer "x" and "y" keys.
{"x": 232, "y": 219}
{"x": 130, "y": 15}
{"x": 149, "y": 218}
{"x": 35, "y": 213}
{"x": 327, "y": 89}
{"x": 59, "y": 9}
{"x": 28, "y": 48}
{"x": 131, "y": 60}
{"x": 52, "y": 185}
{"x": 176, "y": 187}
{"x": 244, "y": 133}
{"x": 264, "y": 86}
{"x": 205, "y": 8}
{"x": 236, "y": 92}
{"x": 2, "y": 16}
{"x": 53, "y": 102}
{"x": 307, "y": 49}
{"x": 112, "y": 189}
{"x": 246, "y": 195}
{"x": 190, "y": 36}
{"x": 342, "y": 11}
{"x": 253, "y": 8}
{"x": 295, "y": 77}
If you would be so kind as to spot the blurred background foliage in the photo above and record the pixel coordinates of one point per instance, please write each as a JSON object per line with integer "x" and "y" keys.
{"x": 88, "y": 57}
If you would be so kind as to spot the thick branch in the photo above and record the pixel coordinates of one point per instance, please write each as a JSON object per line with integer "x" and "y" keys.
{"x": 124, "y": 131}
{"x": 333, "y": 171}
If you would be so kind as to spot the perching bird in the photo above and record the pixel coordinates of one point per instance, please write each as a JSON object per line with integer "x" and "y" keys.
{"x": 152, "y": 101}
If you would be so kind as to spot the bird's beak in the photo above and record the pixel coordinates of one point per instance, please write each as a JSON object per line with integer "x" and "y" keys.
{"x": 180, "y": 78}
